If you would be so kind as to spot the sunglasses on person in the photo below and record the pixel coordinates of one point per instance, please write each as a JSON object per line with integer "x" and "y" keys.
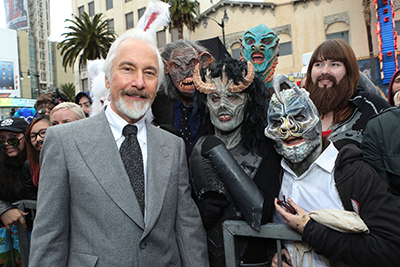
{"x": 33, "y": 136}
{"x": 13, "y": 141}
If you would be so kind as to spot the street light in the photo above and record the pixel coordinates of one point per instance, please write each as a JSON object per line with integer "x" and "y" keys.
{"x": 224, "y": 20}
{"x": 29, "y": 73}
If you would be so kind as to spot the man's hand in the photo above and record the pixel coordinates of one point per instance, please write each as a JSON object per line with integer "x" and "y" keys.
{"x": 298, "y": 221}
{"x": 396, "y": 98}
{"x": 11, "y": 218}
{"x": 286, "y": 263}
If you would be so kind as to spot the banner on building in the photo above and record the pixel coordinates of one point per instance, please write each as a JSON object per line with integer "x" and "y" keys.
{"x": 16, "y": 14}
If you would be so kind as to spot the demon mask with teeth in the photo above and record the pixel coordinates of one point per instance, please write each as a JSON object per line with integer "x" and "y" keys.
{"x": 180, "y": 64}
{"x": 260, "y": 46}
{"x": 226, "y": 100}
{"x": 293, "y": 123}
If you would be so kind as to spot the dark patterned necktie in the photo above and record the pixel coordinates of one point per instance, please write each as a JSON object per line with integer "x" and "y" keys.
{"x": 185, "y": 130}
{"x": 132, "y": 158}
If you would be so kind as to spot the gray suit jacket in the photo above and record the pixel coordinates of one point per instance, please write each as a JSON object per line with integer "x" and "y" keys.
{"x": 87, "y": 212}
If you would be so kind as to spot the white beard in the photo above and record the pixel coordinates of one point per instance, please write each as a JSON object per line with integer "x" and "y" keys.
{"x": 134, "y": 110}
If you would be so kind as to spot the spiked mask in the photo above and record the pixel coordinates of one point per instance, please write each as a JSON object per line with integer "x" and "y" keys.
{"x": 293, "y": 122}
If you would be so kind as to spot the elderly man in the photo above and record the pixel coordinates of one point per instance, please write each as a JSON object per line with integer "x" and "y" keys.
{"x": 344, "y": 106}
{"x": 114, "y": 190}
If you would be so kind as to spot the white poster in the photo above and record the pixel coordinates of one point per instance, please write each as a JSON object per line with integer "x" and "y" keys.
{"x": 9, "y": 67}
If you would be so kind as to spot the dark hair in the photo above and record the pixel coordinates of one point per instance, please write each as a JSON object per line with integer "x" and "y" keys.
{"x": 255, "y": 113}
{"x": 11, "y": 180}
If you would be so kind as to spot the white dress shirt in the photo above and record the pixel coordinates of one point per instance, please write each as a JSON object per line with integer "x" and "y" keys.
{"x": 314, "y": 189}
{"x": 117, "y": 124}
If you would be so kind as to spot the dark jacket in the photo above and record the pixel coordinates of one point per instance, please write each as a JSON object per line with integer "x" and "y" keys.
{"x": 27, "y": 190}
{"x": 163, "y": 109}
{"x": 381, "y": 147}
{"x": 266, "y": 178}
{"x": 351, "y": 130}
{"x": 357, "y": 181}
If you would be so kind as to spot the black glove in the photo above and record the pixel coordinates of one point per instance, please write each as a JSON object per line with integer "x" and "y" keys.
{"x": 208, "y": 144}
{"x": 211, "y": 207}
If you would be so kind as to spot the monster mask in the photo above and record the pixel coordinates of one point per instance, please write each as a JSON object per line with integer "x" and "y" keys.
{"x": 181, "y": 66}
{"x": 293, "y": 123}
{"x": 260, "y": 45}
{"x": 224, "y": 86}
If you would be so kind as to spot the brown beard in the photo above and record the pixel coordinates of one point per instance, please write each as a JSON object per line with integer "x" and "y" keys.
{"x": 334, "y": 99}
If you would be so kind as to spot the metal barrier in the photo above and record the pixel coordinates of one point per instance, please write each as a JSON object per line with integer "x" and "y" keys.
{"x": 30, "y": 206}
{"x": 276, "y": 231}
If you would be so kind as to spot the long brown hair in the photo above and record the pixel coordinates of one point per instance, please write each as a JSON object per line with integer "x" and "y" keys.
{"x": 338, "y": 50}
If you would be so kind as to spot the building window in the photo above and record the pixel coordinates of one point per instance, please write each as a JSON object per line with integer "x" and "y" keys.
{"x": 286, "y": 49}
{"x": 110, "y": 25}
{"x": 129, "y": 20}
{"x": 109, "y": 4}
{"x": 161, "y": 38}
{"x": 339, "y": 35}
{"x": 236, "y": 53}
{"x": 81, "y": 10}
{"x": 85, "y": 85}
{"x": 91, "y": 8}
{"x": 397, "y": 29}
{"x": 174, "y": 35}
{"x": 141, "y": 12}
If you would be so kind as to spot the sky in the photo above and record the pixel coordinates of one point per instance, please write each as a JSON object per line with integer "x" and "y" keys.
{"x": 59, "y": 11}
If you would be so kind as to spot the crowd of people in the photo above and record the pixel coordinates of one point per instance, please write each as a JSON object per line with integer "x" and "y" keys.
{"x": 185, "y": 143}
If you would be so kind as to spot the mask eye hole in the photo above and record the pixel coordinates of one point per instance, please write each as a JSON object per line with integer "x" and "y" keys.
{"x": 249, "y": 41}
{"x": 267, "y": 41}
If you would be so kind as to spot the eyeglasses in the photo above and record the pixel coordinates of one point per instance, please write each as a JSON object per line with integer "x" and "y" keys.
{"x": 13, "y": 141}
{"x": 33, "y": 136}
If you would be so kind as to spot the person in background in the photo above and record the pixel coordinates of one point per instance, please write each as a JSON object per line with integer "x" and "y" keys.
{"x": 394, "y": 89}
{"x": 127, "y": 201}
{"x": 381, "y": 147}
{"x": 66, "y": 112}
{"x": 344, "y": 107}
{"x": 84, "y": 100}
{"x": 45, "y": 103}
{"x": 13, "y": 183}
{"x": 35, "y": 134}
{"x": 172, "y": 108}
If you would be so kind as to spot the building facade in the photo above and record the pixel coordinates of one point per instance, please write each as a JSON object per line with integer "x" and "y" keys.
{"x": 301, "y": 25}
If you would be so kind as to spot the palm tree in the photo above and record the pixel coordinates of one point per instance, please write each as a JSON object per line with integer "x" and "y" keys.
{"x": 87, "y": 39}
{"x": 183, "y": 13}
{"x": 69, "y": 91}
{"x": 367, "y": 19}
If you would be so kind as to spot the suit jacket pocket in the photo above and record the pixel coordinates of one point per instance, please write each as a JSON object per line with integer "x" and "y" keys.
{"x": 81, "y": 259}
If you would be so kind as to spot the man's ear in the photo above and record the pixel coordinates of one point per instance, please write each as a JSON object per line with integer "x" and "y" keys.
{"x": 166, "y": 66}
{"x": 107, "y": 83}
{"x": 205, "y": 60}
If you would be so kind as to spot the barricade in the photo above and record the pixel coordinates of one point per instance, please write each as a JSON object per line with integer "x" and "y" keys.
{"x": 276, "y": 231}
{"x": 24, "y": 245}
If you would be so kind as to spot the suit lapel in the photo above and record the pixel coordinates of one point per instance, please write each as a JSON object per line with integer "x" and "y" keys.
{"x": 158, "y": 175}
{"x": 102, "y": 157}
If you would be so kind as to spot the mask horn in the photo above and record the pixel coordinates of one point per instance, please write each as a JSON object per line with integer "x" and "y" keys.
{"x": 206, "y": 88}
{"x": 248, "y": 80}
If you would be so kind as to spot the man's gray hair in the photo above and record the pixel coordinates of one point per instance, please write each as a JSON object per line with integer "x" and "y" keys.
{"x": 138, "y": 35}
{"x": 72, "y": 106}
